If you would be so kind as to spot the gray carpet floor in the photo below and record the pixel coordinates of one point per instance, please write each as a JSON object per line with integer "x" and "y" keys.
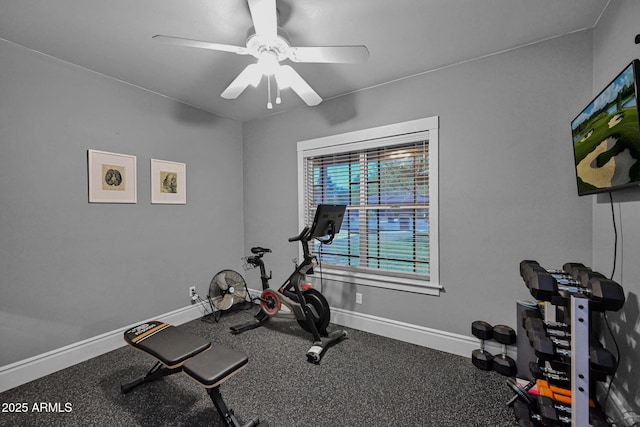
{"x": 366, "y": 380}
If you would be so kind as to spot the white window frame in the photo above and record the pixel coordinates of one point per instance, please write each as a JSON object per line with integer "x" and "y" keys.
{"x": 426, "y": 128}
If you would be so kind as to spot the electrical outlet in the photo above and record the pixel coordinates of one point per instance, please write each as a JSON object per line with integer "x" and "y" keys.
{"x": 358, "y": 298}
{"x": 192, "y": 291}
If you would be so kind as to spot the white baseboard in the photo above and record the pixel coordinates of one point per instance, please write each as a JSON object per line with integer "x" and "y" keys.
{"x": 461, "y": 345}
{"x": 35, "y": 367}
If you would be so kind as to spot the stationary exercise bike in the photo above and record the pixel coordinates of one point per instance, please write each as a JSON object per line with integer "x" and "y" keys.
{"x": 308, "y": 305}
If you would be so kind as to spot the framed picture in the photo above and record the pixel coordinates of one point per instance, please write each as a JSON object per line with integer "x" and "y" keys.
{"x": 168, "y": 182}
{"x": 112, "y": 177}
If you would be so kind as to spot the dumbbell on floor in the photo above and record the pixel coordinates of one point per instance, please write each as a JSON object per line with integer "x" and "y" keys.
{"x": 502, "y": 363}
{"x": 481, "y": 358}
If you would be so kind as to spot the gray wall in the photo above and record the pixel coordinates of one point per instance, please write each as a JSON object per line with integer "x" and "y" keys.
{"x": 614, "y": 48}
{"x": 71, "y": 270}
{"x": 507, "y": 188}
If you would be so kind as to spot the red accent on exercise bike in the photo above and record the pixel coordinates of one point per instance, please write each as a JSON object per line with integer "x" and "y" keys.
{"x": 304, "y": 287}
{"x": 270, "y": 302}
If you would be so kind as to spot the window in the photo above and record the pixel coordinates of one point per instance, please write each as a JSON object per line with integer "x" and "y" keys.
{"x": 387, "y": 177}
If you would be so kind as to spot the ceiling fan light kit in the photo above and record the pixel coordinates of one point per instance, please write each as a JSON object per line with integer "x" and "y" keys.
{"x": 270, "y": 46}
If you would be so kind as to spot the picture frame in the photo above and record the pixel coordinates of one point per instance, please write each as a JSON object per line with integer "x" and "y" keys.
{"x": 168, "y": 182}
{"x": 112, "y": 177}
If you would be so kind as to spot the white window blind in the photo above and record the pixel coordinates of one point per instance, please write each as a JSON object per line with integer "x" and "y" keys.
{"x": 388, "y": 178}
{"x": 386, "y": 190}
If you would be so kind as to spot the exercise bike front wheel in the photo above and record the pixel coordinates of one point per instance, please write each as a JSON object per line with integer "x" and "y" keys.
{"x": 320, "y": 311}
{"x": 269, "y": 302}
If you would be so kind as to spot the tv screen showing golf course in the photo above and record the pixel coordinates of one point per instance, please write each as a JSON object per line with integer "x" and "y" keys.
{"x": 606, "y": 136}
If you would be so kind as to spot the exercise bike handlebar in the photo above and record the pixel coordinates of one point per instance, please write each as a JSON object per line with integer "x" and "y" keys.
{"x": 302, "y": 236}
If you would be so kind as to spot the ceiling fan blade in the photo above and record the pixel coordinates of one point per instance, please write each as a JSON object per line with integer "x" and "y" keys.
{"x": 330, "y": 54}
{"x": 251, "y": 75}
{"x": 240, "y": 50}
{"x": 288, "y": 77}
{"x": 265, "y": 19}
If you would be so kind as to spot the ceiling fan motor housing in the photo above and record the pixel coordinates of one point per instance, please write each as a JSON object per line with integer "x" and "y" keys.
{"x": 280, "y": 45}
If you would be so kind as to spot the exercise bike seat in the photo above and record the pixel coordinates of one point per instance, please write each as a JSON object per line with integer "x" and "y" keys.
{"x": 166, "y": 342}
{"x": 259, "y": 250}
{"x": 214, "y": 366}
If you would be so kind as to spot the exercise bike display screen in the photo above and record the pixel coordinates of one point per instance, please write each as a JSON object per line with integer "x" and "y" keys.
{"x": 327, "y": 221}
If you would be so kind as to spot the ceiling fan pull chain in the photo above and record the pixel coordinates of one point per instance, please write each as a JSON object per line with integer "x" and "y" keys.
{"x": 278, "y": 99}
{"x": 269, "y": 104}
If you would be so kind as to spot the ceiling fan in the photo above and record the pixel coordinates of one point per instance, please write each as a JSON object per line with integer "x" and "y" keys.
{"x": 270, "y": 46}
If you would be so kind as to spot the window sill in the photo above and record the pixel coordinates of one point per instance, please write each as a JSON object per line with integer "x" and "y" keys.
{"x": 402, "y": 284}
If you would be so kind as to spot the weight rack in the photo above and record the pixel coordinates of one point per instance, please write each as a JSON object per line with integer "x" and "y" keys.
{"x": 593, "y": 293}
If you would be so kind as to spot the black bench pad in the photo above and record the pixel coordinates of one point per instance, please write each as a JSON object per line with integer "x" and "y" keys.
{"x": 165, "y": 342}
{"x": 214, "y": 366}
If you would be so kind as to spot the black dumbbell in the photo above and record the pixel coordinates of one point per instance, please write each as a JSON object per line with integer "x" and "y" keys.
{"x": 481, "y": 358}
{"x": 540, "y": 338}
{"x": 548, "y": 413}
{"x": 502, "y": 363}
{"x": 580, "y": 273}
{"x": 601, "y": 360}
{"x": 605, "y": 294}
{"x": 523, "y": 414}
{"x": 535, "y": 314}
{"x": 529, "y": 267}
{"x": 545, "y": 349}
{"x": 571, "y": 271}
{"x": 558, "y": 378}
{"x": 537, "y": 326}
{"x": 552, "y": 414}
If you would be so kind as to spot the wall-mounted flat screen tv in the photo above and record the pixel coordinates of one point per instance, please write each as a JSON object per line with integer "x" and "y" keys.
{"x": 606, "y": 136}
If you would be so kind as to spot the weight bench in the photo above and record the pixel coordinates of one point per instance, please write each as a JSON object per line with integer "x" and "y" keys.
{"x": 178, "y": 351}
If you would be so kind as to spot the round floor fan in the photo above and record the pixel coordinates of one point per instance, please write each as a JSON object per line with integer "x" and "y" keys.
{"x": 227, "y": 288}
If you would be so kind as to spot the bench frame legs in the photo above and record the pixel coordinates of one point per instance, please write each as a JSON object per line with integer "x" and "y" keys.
{"x": 156, "y": 372}
{"x": 159, "y": 370}
{"x": 226, "y": 413}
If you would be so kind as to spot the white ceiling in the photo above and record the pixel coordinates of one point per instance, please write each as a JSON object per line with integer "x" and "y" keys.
{"x": 404, "y": 37}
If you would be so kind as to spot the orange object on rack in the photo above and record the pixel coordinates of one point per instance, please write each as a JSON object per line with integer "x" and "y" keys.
{"x": 558, "y": 394}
